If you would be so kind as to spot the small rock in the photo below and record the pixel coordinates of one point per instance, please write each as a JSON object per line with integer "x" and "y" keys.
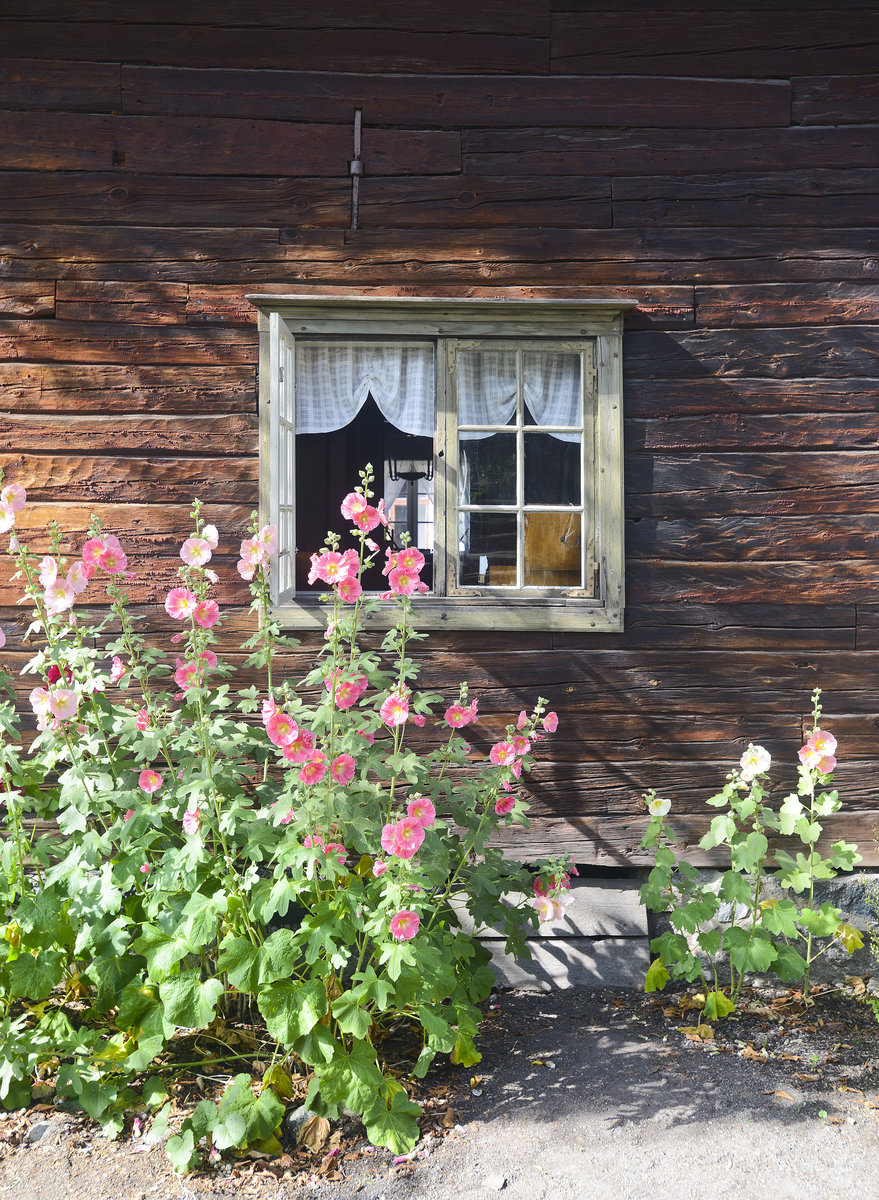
{"x": 38, "y": 1130}
{"x": 295, "y": 1120}
{"x": 494, "y": 1183}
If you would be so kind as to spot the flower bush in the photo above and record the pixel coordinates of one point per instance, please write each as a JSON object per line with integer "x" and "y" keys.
{"x": 764, "y": 933}
{"x": 275, "y": 853}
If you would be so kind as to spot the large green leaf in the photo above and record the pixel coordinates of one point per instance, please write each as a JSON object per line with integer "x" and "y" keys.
{"x": 33, "y": 977}
{"x": 350, "y": 1016}
{"x": 239, "y": 961}
{"x": 189, "y": 1002}
{"x": 394, "y": 1126}
{"x": 281, "y": 954}
{"x": 292, "y": 1009}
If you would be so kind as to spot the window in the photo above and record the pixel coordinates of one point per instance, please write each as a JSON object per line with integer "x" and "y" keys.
{"x": 495, "y": 431}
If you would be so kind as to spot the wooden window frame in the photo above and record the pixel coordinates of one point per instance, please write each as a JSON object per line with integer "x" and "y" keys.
{"x": 541, "y": 323}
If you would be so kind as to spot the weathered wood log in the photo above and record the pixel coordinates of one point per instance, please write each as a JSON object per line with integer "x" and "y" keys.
{"x": 215, "y": 146}
{"x": 24, "y": 299}
{"x": 819, "y": 582}
{"x": 834, "y": 100}
{"x": 214, "y": 434}
{"x": 325, "y": 48}
{"x": 743, "y": 539}
{"x": 145, "y": 303}
{"x": 37, "y": 83}
{"x": 802, "y": 352}
{"x": 575, "y": 151}
{"x": 151, "y": 530}
{"x": 458, "y": 101}
{"x": 762, "y": 42}
{"x": 92, "y": 387}
{"x": 750, "y": 431}
{"x": 787, "y": 304}
{"x": 153, "y": 479}
{"x": 712, "y": 395}
{"x": 95, "y": 341}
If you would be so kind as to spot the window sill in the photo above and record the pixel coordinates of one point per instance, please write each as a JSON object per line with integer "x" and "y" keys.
{"x": 436, "y": 612}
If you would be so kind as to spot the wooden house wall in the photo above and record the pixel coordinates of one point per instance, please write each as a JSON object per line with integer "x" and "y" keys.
{"x": 718, "y": 163}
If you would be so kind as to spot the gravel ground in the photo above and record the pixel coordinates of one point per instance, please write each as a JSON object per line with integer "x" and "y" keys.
{"x": 594, "y": 1093}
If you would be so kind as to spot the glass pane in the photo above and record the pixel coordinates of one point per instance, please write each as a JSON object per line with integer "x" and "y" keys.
{"x": 552, "y": 469}
{"x": 553, "y": 549}
{"x": 486, "y": 387}
{"x": 488, "y": 550}
{"x": 552, "y": 388}
{"x": 487, "y": 469}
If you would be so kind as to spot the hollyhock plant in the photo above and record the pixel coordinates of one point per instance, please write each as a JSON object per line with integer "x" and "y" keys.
{"x": 285, "y": 843}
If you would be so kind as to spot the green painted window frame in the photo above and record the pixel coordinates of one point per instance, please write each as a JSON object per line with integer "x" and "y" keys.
{"x": 546, "y": 324}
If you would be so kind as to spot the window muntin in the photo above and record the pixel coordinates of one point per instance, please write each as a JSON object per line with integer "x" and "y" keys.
{"x": 584, "y": 531}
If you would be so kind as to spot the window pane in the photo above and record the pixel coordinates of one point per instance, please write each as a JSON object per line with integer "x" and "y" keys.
{"x": 552, "y": 469}
{"x": 553, "y": 549}
{"x": 552, "y": 388}
{"x": 488, "y": 550}
{"x": 486, "y": 387}
{"x": 487, "y": 469}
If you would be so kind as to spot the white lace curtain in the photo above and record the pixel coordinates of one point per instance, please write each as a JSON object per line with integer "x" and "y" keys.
{"x": 334, "y": 379}
{"x": 487, "y": 389}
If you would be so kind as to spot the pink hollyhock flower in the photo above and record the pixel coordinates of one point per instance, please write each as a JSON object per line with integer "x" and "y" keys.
{"x": 350, "y": 590}
{"x": 192, "y": 820}
{"x": 269, "y": 708}
{"x": 145, "y": 868}
{"x": 391, "y": 560}
{"x": 195, "y": 552}
{"x": 58, "y": 597}
{"x": 382, "y": 516}
{"x": 128, "y": 815}
{"x": 388, "y": 838}
{"x": 79, "y": 575}
{"x": 282, "y": 729}
{"x": 108, "y": 554}
{"x": 314, "y": 769}
{"x": 55, "y": 673}
{"x": 516, "y": 768}
{"x": 337, "y": 851}
{"x": 206, "y": 614}
{"x": 521, "y": 744}
{"x": 7, "y": 516}
{"x": 418, "y": 719}
{"x": 473, "y": 705}
{"x": 117, "y": 670}
{"x": 522, "y": 720}
{"x": 346, "y": 693}
{"x": 457, "y": 715}
{"x": 342, "y": 769}
{"x": 267, "y": 540}
{"x": 410, "y": 558}
{"x": 354, "y": 503}
{"x": 180, "y": 603}
{"x": 403, "y": 582}
{"x": 63, "y": 703}
{"x": 143, "y": 719}
{"x": 408, "y": 836}
{"x": 551, "y": 722}
{"x": 2, "y": 638}
{"x": 210, "y": 535}
{"x": 404, "y": 925}
{"x": 245, "y": 569}
{"x": 331, "y": 567}
{"x": 48, "y": 571}
{"x": 368, "y": 519}
{"x": 422, "y": 810}
{"x": 301, "y": 748}
{"x": 379, "y": 867}
{"x": 367, "y": 736}
{"x": 149, "y": 781}
{"x": 313, "y": 842}
{"x": 39, "y": 702}
{"x": 14, "y": 495}
{"x": 395, "y": 710}
{"x": 502, "y": 754}
{"x": 185, "y": 675}
{"x": 504, "y": 805}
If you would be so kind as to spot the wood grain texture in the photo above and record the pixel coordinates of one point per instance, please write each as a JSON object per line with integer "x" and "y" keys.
{"x": 28, "y": 387}
{"x": 20, "y": 298}
{"x": 96, "y": 342}
{"x": 835, "y": 100}
{"x": 788, "y": 304}
{"x": 216, "y": 433}
{"x": 458, "y": 101}
{"x": 748, "y": 431}
{"x": 67, "y": 86}
{"x": 154, "y": 479}
{"x": 706, "y": 396}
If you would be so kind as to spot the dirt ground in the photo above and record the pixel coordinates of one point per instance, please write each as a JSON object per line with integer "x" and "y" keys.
{"x": 594, "y": 1093}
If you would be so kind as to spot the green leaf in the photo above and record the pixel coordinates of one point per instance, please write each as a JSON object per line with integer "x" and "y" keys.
{"x": 34, "y": 977}
{"x": 657, "y": 976}
{"x": 789, "y": 964}
{"x": 181, "y": 1151}
{"x": 280, "y": 956}
{"x": 464, "y": 1053}
{"x": 748, "y": 952}
{"x": 316, "y": 1047}
{"x": 396, "y": 1126}
{"x": 440, "y": 1034}
{"x": 259, "y": 1115}
{"x": 292, "y": 1009}
{"x": 721, "y": 829}
{"x": 850, "y": 937}
{"x": 239, "y": 961}
{"x": 709, "y": 940}
{"x": 349, "y": 1081}
{"x": 747, "y": 854}
{"x": 350, "y": 1016}
{"x": 189, "y": 1002}
{"x": 822, "y": 923}
{"x": 718, "y": 1006}
{"x": 780, "y": 917}
{"x": 161, "y": 950}
{"x": 735, "y": 888}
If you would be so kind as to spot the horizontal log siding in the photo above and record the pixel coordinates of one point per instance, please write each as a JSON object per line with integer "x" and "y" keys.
{"x": 721, "y": 168}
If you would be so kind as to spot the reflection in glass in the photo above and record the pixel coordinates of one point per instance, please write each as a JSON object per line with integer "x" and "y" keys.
{"x": 487, "y": 469}
{"x": 488, "y": 550}
{"x": 552, "y": 469}
{"x": 553, "y": 542}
